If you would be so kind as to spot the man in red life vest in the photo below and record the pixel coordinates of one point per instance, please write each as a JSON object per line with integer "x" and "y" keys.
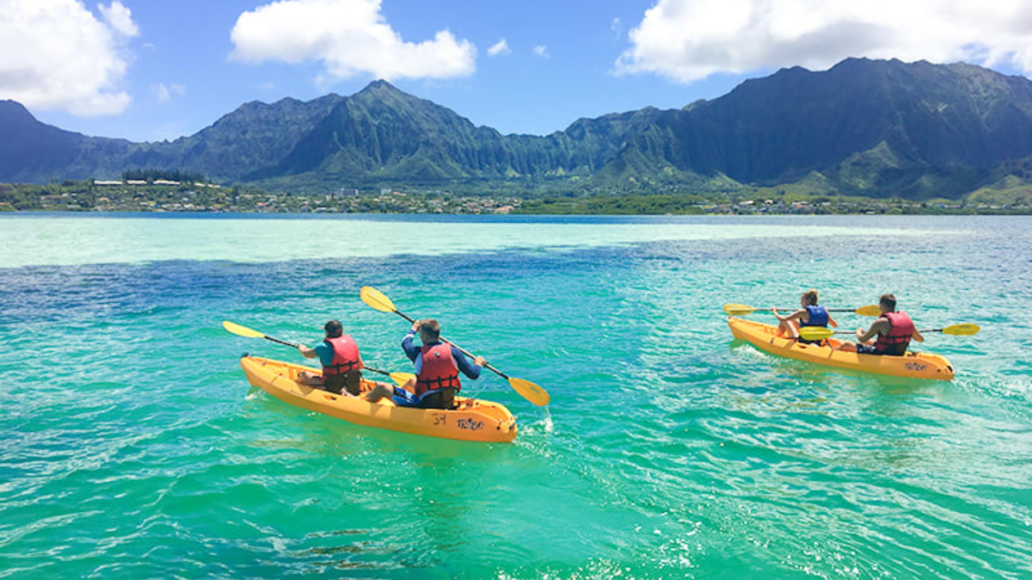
{"x": 437, "y": 369}
{"x": 341, "y": 365}
{"x": 893, "y": 330}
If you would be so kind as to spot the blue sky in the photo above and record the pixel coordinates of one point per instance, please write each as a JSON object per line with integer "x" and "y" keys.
{"x": 147, "y": 70}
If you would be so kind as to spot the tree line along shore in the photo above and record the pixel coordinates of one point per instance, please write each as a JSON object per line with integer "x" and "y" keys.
{"x": 155, "y": 194}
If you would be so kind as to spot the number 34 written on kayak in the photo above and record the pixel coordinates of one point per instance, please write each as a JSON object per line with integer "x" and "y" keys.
{"x": 465, "y": 424}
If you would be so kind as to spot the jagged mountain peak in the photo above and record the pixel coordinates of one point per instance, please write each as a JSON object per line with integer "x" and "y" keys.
{"x": 386, "y": 93}
{"x": 12, "y": 108}
{"x": 380, "y": 85}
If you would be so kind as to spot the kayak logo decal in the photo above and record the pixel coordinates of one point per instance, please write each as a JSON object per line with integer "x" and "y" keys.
{"x": 913, "y": 366}
{"x": 471, "y": 424}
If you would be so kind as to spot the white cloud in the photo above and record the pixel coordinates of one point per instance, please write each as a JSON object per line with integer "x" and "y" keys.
{"x": 349, "y": 37}
{"x": 499, "y": 48}
{"x": 55, "y": 54}
{"x": 120, "y": 19}
{"x": 164, "y": 93}
{"x": 542, "y": 51}
{"x": 688, "y": 40}
{"x": 616, "y": 27}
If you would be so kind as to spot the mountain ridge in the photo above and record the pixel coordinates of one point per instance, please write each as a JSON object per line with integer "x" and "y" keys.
{"x": 876, "y": 128}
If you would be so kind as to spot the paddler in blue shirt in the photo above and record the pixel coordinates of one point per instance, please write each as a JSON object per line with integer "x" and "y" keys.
{"x": 810, "y": 313}
{"x": 437, "y": 367}
{"x": 341, "y": 365}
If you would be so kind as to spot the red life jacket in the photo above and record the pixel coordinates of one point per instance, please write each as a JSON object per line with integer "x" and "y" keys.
{"x": 439, "y": 370}
{"x": 345, "y": 356}
{"x": 896, "y": 341}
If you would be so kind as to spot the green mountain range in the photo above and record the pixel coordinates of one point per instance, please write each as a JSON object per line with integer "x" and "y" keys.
{"x": 864, "y": 127}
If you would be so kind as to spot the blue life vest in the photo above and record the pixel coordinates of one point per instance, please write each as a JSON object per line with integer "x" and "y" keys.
{"x": 818, "y": 316}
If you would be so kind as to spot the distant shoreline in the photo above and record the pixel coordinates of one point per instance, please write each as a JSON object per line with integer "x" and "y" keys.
{"x": 161, "y": 197}
{"x": 332, "y": 215}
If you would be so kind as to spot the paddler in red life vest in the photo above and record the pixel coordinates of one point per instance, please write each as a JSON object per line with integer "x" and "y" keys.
{"x": 810, "y": 313}
{"x": 437, "y": 369}
{"x": 341, "y": 365}
{"x": 894, "y": 331}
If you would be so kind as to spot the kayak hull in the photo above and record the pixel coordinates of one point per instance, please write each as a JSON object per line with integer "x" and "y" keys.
{"x": 473, "y": 420}
{"x": 913, "y": 365}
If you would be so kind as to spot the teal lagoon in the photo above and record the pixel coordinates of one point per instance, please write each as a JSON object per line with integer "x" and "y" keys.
{"x": 131, "y": 445}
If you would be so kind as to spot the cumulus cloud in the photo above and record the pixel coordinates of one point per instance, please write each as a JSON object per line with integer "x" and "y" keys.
{"x": 120, "y": 19}
{"x": 500, "y": 48}
{"x": 542, "y": 51}
{"x": 350, "y": 37}
{"x": 55, "y": 54}
{"x": 688, "y": 40}
{"x": 164, "y": 93}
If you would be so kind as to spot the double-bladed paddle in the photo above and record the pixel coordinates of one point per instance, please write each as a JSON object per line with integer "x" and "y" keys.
{"x": 399, "y": 378}
{"x": 819, "y": 333}
{"x": 525, "y": 388}
{"x": 742, "y": 310}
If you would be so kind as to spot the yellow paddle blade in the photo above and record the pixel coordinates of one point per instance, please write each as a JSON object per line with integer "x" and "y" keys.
{"x": 530, "y": 391}
{"x": 377, "y": 300}
{"x": 815, "y": 333}
{"x": 872, "y": 310}
{"x": 962, "y": 329}
{"x": 738, "y": 309}
{"x": 241, "y": 330}
{"x": 401, "y": 379}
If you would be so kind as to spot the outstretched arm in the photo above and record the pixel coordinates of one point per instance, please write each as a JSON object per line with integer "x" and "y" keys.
{"x": 872, "y": 332}
{"x": 407, "y": 344}
{"x": 471, "y": 370}
{"x": 794, "y": 316}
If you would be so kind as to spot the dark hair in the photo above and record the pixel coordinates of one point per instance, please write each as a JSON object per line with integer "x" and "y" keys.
{"x": 431, "y": 328}
{"x": 888, "y": 301}
{"x": 334, "y": 329}
{"x": 811, "y": 297}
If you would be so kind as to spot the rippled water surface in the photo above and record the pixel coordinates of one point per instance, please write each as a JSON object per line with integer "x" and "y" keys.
{"x": 131, "y": 445}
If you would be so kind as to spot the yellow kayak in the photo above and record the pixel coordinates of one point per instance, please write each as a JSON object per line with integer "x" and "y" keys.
{"x": 920, "y": 365}
{"x": 472, "y": 420}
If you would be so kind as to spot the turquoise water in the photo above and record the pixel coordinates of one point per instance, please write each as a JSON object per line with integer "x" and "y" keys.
{"x": 131, "y": 445}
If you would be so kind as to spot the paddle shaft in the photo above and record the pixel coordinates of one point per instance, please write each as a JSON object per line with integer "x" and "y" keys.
{"x": 828, "y": 309}
{"x": 295, "y": 345}
{"x": 743, "y": 309}
{"x": 283, "y": 342}
{"x": 919, "y": 330}
{"x": 462, "y": 350}
{"x": 365, "y": 368}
